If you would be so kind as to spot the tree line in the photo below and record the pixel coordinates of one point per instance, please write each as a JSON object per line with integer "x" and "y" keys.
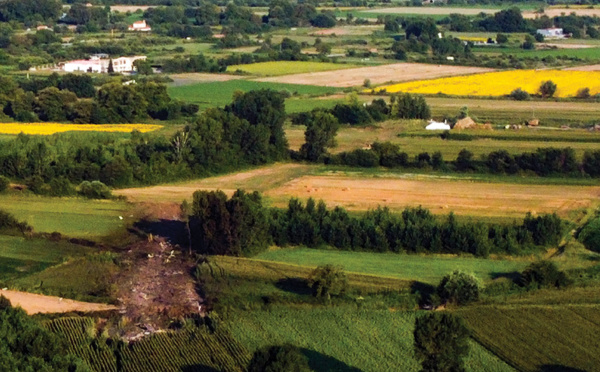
{"x": 243, "y": 226}
{"x": 543, "y": 162}
{"x": 61, "y": 99}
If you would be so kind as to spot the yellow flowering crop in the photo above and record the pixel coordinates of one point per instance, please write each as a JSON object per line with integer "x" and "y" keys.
{"x": 502, "y": 83}
{"x": 51, "y": 128}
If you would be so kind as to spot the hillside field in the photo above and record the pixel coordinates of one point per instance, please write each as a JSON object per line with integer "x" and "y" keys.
{"x": 218, "y": 94}
{"x": 535, "y": 338}
{"x": 346, "y": 339}
{"x": 74, "y": 217}
{"x": 425, "y": 268}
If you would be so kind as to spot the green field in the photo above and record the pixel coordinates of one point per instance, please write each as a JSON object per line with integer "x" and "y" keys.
{"x": 20, "y": 257}
{"x": 581, "y": 53}
{"x": 217, "y": 94}
{"x": 73, "y": 217}
{"x": 345, "y": 338}
{"x": 286, "y": 67}
{"x": 425, "y": 268}
{"x": 535, "y": 338}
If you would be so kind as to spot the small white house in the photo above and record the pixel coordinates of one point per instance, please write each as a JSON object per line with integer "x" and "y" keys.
{"x": 551, "y": 33}
{"x": 85, "y": 65}
{"x": 140, "y": 26}
{"x": 436, "y": 125}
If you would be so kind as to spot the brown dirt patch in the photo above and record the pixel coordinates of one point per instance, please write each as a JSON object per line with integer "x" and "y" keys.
{"x": 464, "y": 197}
{"x": 156, "y": 288}
{"x": 565, "y": 46}
{"x": 259, "y": 179}
{"x": 36, "y": 303}
{"x": 397, "y": 72}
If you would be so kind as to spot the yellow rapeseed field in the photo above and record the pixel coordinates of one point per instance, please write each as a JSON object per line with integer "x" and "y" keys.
{"x": 502, "y": 83}
{"x": 51, "y": 128}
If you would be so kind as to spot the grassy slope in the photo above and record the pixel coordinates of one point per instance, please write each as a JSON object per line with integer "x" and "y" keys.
{"x": 20, "y": 257}
{"x": 219, "y": 93}
{"x": 426, "y": 268}
{"x": 345, "y": 339}
{"x": 73, "y": 217}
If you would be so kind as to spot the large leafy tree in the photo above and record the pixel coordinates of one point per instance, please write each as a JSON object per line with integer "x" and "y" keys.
{"x": 459, "y": 288}
{"x": 441, "y": 342}
{"x": 320, "y": 133}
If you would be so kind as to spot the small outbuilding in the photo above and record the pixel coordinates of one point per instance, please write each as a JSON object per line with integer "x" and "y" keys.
{"x": 436, "y": 125}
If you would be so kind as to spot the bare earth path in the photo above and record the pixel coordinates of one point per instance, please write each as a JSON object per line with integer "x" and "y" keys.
{"x": 35, "y": 303}
{"x": 396, "y": 72}
{"x": 260, "y": 179}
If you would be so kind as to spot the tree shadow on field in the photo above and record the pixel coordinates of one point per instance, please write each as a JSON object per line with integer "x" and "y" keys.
{"x": 174, "y": 231}
{"x": 514, "y": 276}
{"x": 425, "y": 291}
{"x": 199, "y": 368}
{"x": 324, "y": 363}
{"x": 559, "y": 368}
{"x": 294, "y": 285}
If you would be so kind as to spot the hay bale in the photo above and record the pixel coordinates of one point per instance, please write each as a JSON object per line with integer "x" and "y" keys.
{"x": 533, "y": 122}
{"x": 466, "y": 123}
{"x": 486, "y": 126}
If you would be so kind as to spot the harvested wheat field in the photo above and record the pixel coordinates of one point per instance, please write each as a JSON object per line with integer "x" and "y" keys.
{"x": 432, "y": 10}
{"x": 464, "y": 197}
{"x": 397, "y": 72}
{"x": 35, "y": 303}
{"x": 554, "y": 12}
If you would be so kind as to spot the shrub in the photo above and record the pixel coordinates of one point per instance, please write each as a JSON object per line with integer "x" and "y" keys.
{"x": 519, "y": 95}
{"x": 94, "y": 190}
{"x": 8, "y": 222}
{"x": 547, "y": 89}
{"x": 4, "y": 183}
{"x": 284, "y": 358}
{"x": 501, "y": 38}
{"x": 543, "y": 274}
{"x": 583, "y": 93}
{"x": 590, "y": 235}
{"x": 464, "y": 161}
{"x": 459, "y": 288}
{"x": 329, "y": 280}
{"x": 61, "y": 186}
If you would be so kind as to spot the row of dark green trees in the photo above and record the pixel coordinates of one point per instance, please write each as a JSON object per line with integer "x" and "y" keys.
{"x": 243, "y": 226}
{"x": 542, "y": 162}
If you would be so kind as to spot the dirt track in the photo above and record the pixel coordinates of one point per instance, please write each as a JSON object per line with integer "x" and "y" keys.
{"x": 553, "y": 12}
{"x": 35, "y": 303}
{"x": 397, "y": 72}
{"x": 464, "y": 197}
{"x": 585, "y": 68}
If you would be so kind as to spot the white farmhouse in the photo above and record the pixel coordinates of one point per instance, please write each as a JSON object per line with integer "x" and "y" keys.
{"x": 125, "y": 64}
{"x": 551, "y": 33}
{"x": 100, "y": 65}
{"x": 140, "y": 26}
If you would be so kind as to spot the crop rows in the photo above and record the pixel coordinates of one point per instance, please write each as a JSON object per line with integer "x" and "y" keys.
{"x": 190, "y": 350}
{"x": 78, "y": 333}
{"x": 534, "y": 337}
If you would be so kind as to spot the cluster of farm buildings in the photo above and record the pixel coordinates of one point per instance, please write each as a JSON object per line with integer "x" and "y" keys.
{"x": 100, "y": 63}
